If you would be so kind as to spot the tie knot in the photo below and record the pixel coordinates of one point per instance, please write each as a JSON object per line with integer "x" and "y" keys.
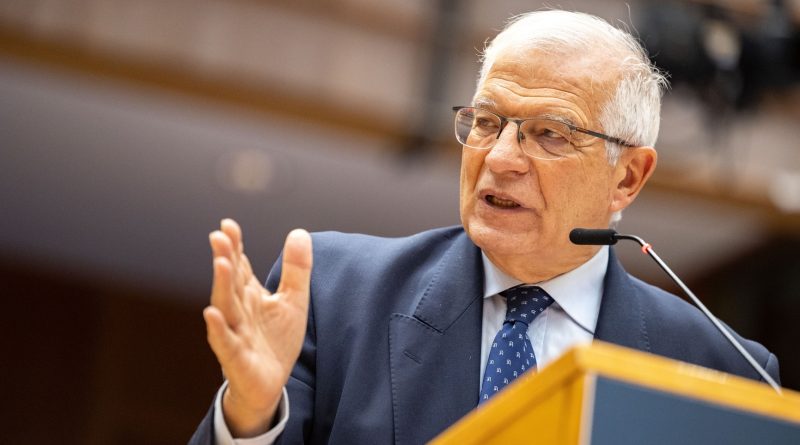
{"x": 524, "y": 303}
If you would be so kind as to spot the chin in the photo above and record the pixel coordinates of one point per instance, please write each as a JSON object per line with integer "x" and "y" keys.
{"x": 501, "y": 241}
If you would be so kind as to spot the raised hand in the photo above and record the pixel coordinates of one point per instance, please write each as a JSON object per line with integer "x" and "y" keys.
{"x": 256, "y": 335}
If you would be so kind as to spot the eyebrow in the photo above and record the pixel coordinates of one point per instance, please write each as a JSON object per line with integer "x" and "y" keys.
{"x": 483, "y": 102}
{"x": 559, "y": 118}
{"x": 489, "y": 104}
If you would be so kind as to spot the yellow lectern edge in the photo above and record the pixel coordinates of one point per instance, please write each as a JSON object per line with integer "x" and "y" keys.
{"x": 686, "y": 379}
{"x": 492, "y": 415}
{"x": 619, "y": 363}
{"x": 587, "y": 410}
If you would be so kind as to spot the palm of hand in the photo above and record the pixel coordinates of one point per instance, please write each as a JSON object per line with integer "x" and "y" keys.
{"x": 256, "y": 335}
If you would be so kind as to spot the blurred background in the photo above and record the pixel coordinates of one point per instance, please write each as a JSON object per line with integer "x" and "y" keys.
{"x": 129, "y": 129}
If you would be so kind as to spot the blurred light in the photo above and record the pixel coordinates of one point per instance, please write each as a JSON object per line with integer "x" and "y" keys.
{"x": 722, "y": 43}
{"x": 246, "y": 171}
{"x": 784, "y": 191}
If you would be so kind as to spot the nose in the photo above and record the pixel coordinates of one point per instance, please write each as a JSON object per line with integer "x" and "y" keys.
{"x": 507, "y": 155}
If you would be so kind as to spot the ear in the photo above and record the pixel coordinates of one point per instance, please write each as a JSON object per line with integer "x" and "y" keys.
{"x": 633, "y": 169}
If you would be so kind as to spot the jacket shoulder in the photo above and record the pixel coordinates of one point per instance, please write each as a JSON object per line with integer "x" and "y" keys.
{"x": 678, "y": 329}
{"x": 360, "y": 245}
{"x": 355, "y": 259}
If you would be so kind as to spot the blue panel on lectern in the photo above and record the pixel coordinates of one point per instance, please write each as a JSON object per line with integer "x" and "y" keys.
{"x": 627, "y": 414}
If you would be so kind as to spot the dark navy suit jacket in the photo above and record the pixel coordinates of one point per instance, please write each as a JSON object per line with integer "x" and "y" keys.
{"x": 393, "y": 348}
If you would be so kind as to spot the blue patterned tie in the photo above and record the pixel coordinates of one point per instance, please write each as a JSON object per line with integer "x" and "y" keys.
{"x": 511, "y": 353}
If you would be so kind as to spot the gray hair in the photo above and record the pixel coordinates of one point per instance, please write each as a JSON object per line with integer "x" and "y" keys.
{"x": 633, "y": 113}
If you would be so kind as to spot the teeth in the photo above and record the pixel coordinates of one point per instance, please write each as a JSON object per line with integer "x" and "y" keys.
{"x": 506, "y": 203}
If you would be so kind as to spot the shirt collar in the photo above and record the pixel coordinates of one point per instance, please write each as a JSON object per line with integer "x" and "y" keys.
{"x": 577, "y": 292}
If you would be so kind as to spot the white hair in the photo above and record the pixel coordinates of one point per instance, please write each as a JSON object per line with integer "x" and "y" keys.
{"x": 633, "y": 112}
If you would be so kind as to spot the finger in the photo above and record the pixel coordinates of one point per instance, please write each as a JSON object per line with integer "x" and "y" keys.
{"x": 231, "y": 228}
{"x": 243, "y": 275}
{"x": 222, "y": 246}
{"x": 297, "y": 262}
{"x": 222, "y": 292}
{"x": 246, "y": 267}
{"x": 222, "y": 339}
{"x": 234, "y": 232}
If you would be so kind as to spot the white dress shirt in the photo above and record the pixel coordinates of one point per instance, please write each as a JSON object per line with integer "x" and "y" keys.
{"x": 571, "y": 320}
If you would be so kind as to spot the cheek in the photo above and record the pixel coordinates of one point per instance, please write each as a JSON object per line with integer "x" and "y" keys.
{"x": 591, "y": 192}
{"x": 576, "y": 192}
{"x": 559, "y": 183}
{"x": 471, "y": 164}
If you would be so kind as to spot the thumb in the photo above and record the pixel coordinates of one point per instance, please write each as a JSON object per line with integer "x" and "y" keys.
{"x": 297, "y": 260}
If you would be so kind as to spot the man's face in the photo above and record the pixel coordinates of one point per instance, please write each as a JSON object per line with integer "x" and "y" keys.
{"x": 514, "y": 206}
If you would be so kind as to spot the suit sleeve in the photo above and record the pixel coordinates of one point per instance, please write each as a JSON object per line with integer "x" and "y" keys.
{"x": 205, "y": 431}
{"x": 772, "y": 368}
{"x": 214, "y": 431}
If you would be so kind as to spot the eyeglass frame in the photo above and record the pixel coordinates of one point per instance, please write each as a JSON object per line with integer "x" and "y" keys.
{"x": 505, "y": 120}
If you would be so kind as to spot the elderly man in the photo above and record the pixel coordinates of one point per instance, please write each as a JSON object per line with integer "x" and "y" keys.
{"x": 392, "y": 340}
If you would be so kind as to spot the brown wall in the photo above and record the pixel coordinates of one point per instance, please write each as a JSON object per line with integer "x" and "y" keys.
{"x": 89, "y": 363}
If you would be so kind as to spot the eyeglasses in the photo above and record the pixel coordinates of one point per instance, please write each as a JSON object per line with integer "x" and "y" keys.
{"x": 541, "y": 137}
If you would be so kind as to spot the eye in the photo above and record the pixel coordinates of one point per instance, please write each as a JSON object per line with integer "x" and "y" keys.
{"x": 546, "y": 138}
{"x": 485, "y": 123}
{"x": 554, "y": 133}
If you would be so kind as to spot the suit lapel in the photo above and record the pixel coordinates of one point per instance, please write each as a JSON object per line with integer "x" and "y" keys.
{"x": 435, "y": 353}
{"x": 621, "y": 319}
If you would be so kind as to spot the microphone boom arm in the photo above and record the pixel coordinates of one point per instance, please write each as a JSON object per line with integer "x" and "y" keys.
{"x": 646, "y": 248}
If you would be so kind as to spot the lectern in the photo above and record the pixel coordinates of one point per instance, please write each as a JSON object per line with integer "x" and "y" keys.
{"x": 603, "y": 394}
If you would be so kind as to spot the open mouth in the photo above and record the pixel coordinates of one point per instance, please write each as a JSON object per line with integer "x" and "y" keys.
{"x": 502, "y": 203}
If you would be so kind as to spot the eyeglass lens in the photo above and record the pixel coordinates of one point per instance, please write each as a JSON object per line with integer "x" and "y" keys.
{"x": 541, "y": 138}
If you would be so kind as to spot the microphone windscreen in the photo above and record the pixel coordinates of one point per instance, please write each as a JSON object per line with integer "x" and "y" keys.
{"x": 593, "y": 237}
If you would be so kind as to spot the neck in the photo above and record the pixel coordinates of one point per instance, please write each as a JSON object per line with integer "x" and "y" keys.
{"x": 534, "y": 270}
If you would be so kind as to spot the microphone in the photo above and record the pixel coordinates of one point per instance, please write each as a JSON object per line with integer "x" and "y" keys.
{"x": 607, "y": 237}
{"x": 593, "y": 237}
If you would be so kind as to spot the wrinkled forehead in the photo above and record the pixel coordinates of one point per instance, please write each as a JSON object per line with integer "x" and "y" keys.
{"x": 587, "y": 78}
